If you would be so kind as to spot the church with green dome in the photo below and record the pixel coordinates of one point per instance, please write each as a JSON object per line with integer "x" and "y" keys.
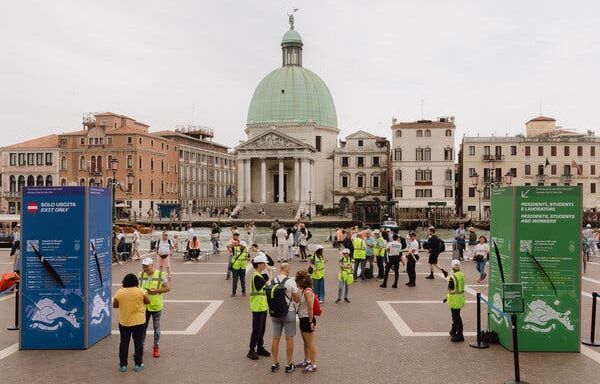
{"x": 291, "y": 133}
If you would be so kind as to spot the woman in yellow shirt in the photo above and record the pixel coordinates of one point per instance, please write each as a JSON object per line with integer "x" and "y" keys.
{"x": 131, "y": 302}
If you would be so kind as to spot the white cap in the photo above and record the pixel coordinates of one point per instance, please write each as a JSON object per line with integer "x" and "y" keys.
{"x": 455, "y": 264}
{"x": 376, "y": 231}
{"x": 345, "y": 250}
{"x": 243, "y": 244}
{"x": 260, "y": 258}
{"x": 589, "y": 225}
{"x": 147, "y": 261}
{"x": 317, "y": 247}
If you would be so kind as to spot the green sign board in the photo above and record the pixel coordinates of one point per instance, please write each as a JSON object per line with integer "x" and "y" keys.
{"x": 512, "y": 297}
{"x": 537, "y": 230}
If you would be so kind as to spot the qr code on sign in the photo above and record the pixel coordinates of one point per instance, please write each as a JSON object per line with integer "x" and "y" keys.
{"x": 525, "y": 245}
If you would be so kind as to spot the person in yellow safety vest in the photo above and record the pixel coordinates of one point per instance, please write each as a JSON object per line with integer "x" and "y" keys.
{"x": 155, "y": 282}
{"x": 345, "y": 276}
{"x": 359, "y": 255}
{"x": 318, "y": 272}
{"x": 238, "y": 267}
{"x": 379, "y": 250}
{"x": 261, "y": 277}
{"x": 456, "y": 300}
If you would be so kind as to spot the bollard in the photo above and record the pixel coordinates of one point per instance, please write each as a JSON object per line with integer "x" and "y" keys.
{"x": 480, "y": 343}
{"x": 592, "y": 342}
{"x": 16, "y": 325}
{"x": 517, "y": 380}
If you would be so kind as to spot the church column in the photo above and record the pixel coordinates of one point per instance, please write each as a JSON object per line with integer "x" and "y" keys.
{"x": 304, "y": 183}
{"x": 312, "y": 185}
{"x": 297, "y": 180}
{"x": 241, "y": 193}
{"x": 263, "y": 181}
{"x": 281, "y": 186}
{"x": 248, "y": 180}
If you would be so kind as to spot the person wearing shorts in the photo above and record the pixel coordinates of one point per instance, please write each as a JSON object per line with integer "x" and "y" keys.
{"x": 434, "y": 252}
{"x": 308, "y": 321}
{"x": 164, "y": 251}
{"x": 286, "y": 323}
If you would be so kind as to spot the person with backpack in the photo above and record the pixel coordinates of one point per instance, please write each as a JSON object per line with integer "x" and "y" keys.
{"x": 436, "y": 246}
{"x": 317, "y": 272}
{"x": 345, "y": 276}
{"x": 234, "y": 242}
{"x": 261, "y": 277}
{"x": 238, "y": 268}
{"x": 302, "y": 243}
{"x": 281, "y": 296}
{"x": 308, "y": 309}
{"x": 164, "y": 252}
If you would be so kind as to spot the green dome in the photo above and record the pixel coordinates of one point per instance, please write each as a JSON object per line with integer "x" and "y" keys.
{"x": 292, "y": 94}
{"x": 291, "y": 36}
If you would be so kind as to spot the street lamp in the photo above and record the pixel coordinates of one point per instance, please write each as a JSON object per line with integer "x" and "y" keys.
{"x": 114, "y": 165}
{"x": 475, "y": 182}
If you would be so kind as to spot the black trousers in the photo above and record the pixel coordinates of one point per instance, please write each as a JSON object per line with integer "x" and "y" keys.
{"x": 410, "y": 269}
{"x": 137, "y": 333}
{"x": 380, "y": 267}
{"x": 259, "y": 323}
{"x": 393, "y": 262}
{"x": 241, "y": 275}
{"x": 274, "y": 241}
{"x": 457, "y": 324}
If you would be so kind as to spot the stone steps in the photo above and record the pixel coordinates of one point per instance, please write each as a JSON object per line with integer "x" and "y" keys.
{"x": 284, "y": 211}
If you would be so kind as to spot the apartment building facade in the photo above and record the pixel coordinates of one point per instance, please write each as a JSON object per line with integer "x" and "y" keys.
{"x": 423, "y": 165}
{"x": 545, "y": 155}
{"x": 207, "y": 169}
{"x": 32, "y": 163}
{"x": 115, "y": 147}
{"x": 360, "y": 166}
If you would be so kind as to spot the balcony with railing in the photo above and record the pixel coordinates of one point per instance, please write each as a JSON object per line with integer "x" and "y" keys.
{"x": 493, "y": 157}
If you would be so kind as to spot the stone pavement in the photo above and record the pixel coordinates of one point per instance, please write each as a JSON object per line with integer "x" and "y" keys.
{"x": 382, "y": 336}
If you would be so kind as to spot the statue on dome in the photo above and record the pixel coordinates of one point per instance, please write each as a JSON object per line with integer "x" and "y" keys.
{"x": 291, "y": 17}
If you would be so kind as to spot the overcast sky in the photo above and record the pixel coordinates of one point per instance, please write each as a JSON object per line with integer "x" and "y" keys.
{"x": 492, "y": 64}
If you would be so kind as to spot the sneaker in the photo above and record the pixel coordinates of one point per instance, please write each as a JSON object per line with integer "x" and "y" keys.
{"x": 302, "y": 363}
{"x": 123, "y": 368}
{"x": 290, "y": 368}
{"x": 411, "y": 285}
{"x": 321, "y": 301}
{"x": 139, "y": 368}
{"x": 430, "y": 276}
{"x": 244, "y": 294}
{"x": 252, "y": 355}
{"x": 383, "y": 286}
{"x": 233, "y": 295}
{"x": 263, "y": 352}
{"x": 346, "y": 300}
{"x": 227, "y": 278}
{"x": 156, "y": 351}
{"x": 395, "y": 286}
{"x": 338, "y": 300}
{"x": 445, "y": 272}
{"x": 275, "y": 367}
{"x": 310, "y": 368}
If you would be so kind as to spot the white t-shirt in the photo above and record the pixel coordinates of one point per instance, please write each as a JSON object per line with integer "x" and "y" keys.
{"x": 136, "y": 236}
{"x": 164, "y": 247}
{"x": 394, "y": 248}
{"x": 290, "y": 288}
{"x": 482, "y": 249}
{"x": 190, "y": 234}
{"x": 413, "y": 245}
{"x": 281, "y": 235}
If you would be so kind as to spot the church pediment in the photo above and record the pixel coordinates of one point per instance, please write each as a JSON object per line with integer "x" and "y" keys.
{"x": 274, "y": 140}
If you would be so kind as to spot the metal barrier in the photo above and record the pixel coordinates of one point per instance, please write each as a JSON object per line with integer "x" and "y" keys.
{"x": 591, "y": 341}
{"x": 15, "y": 327}
{"x": 481, "y": 344}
